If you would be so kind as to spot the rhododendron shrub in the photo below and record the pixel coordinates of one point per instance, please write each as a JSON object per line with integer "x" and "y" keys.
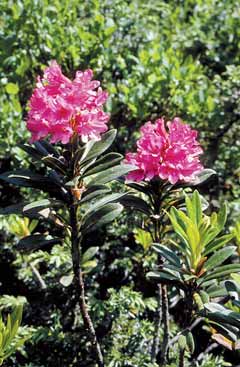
{"x": 60, "y": 107}
{"x": 76, "y": 175}
{"x": 167, "y": 159}
{"x": 78, "y": 200}
{"x": 169, "y": 151}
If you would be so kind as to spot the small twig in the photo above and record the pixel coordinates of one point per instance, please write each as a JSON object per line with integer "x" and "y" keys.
{"x": 206, "y": 351}
{"x": 38, "y": 276}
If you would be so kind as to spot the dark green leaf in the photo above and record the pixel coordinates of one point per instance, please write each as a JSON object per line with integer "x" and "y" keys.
{"x": 55, "y": 163}
{"x": 105, "y": 200}
{"x": 99, "y": 147}
{"x": 12, "y": 209}
{"x": 37, "y": 208}
{"x": 220, "y": 271}
{"x": 101, "y": 216}
{"x": 93, "y": 192}
{"x": 34, "y": 153}
{"x": 35, "y": 242}
{"x": 46, "y": 146}
{"x": 27, "y": 178}
{"x": 107, "y": 161}
{"x": 136, "y": 203}
{"x": 219, "y": 257}
{"x": 168, "y": 254}
{"x": 111, "y": 174}
{"x": 217, "y": 243}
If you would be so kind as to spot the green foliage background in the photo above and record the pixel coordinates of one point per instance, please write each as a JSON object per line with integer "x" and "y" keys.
{"x": 155, "y": 58}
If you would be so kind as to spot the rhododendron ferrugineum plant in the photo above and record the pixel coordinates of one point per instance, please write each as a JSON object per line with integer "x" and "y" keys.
{"x": 172, "y": 155}
{"x": 60, "y": 107}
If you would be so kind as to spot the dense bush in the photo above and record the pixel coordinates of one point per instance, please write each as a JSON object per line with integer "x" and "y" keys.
{"x": 155, "y": 58}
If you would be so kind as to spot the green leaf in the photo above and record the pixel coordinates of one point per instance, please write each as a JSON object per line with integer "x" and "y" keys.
{"x": 12, "y": 209}
{"x": 107, "y": 161}
{"x": 34, "y": 153}
{"x": 219, "y": 257}
{"x": 220, "y": 272}
{"x": 46, "y": 147}
{"x": 66, "y": 280}
{"x": 89, "y": 254}
{"x": 38, "y": 208}
{"x": 99, "y": 147}
{"x": 166, "y": 277}
{"x": 168, "y": 254}
{"x": 222, "y": 217}
{"x": 216, "y": 290}
{"x": 136, "y": 203}
{"x": 12, "y": 88}
{"x": 197, "y": 205}
{"x": 228, "y": 331}
{"x": 178, "y": 226}
{"x": 182, "y": 342}
{"x": 140, "y": 187}
{"x": 89, "y": 265}
{"x": 143, "y": 238}
{"x": 203, "y": 176}
{"x": 35, "y": 242}
{"x": 101, "y": 216}
{"x": 27, "y": 178}
{"x": 105, "y": 200}
{"x": 93, "y": 192}
{"x": 55, "y": 163}
{"x": 190, "y": 342}
{"x": 111, "y": 174}
{"x": 221, "y": 314}
{"x": 217, "y": 243}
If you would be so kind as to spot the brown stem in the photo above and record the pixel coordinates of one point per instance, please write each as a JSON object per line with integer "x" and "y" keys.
{"x": 79, "y": 286}
{"x": 157, "y": 325}
{"x": 181, "y": 358}
{"x": 165, "y": 319}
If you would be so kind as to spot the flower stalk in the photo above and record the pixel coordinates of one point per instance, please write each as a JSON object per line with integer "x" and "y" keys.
{"x": 157, "y": 326}
{"x": 165, "y": 319}
{"x": 181, "y": 358}
{"x": 162, "y": 318}
{"x": 79, "y": 284}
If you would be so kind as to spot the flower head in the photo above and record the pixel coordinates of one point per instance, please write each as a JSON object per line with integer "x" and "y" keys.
{"x": 60, "y": 107}
{"x": 172, "y": 155}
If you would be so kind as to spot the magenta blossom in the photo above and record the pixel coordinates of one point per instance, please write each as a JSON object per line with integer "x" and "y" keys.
{"x": 172, "y": 155}
{"x": 60, "y": 107}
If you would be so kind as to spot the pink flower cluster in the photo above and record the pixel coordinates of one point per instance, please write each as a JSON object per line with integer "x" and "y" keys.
{"x": 172, "y": 155}
{"x": 60, "y": 107}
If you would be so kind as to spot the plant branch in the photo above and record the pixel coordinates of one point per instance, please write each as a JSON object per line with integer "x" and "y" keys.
{"x": 206, "y": 351}
{"x": 157, "y": 326}
{"x": 181, "y": 358}
{"x": 38, "y": 276}
{"x": 165, "y": 318}
{"x": 79, "y": 285}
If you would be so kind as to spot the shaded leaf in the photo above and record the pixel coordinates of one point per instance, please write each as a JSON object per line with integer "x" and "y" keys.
{"x": 101, "y": 216}
{"x": 35, "y": 242}
{"x": 103, "y": 163}
{"x": 111, "y": 174}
